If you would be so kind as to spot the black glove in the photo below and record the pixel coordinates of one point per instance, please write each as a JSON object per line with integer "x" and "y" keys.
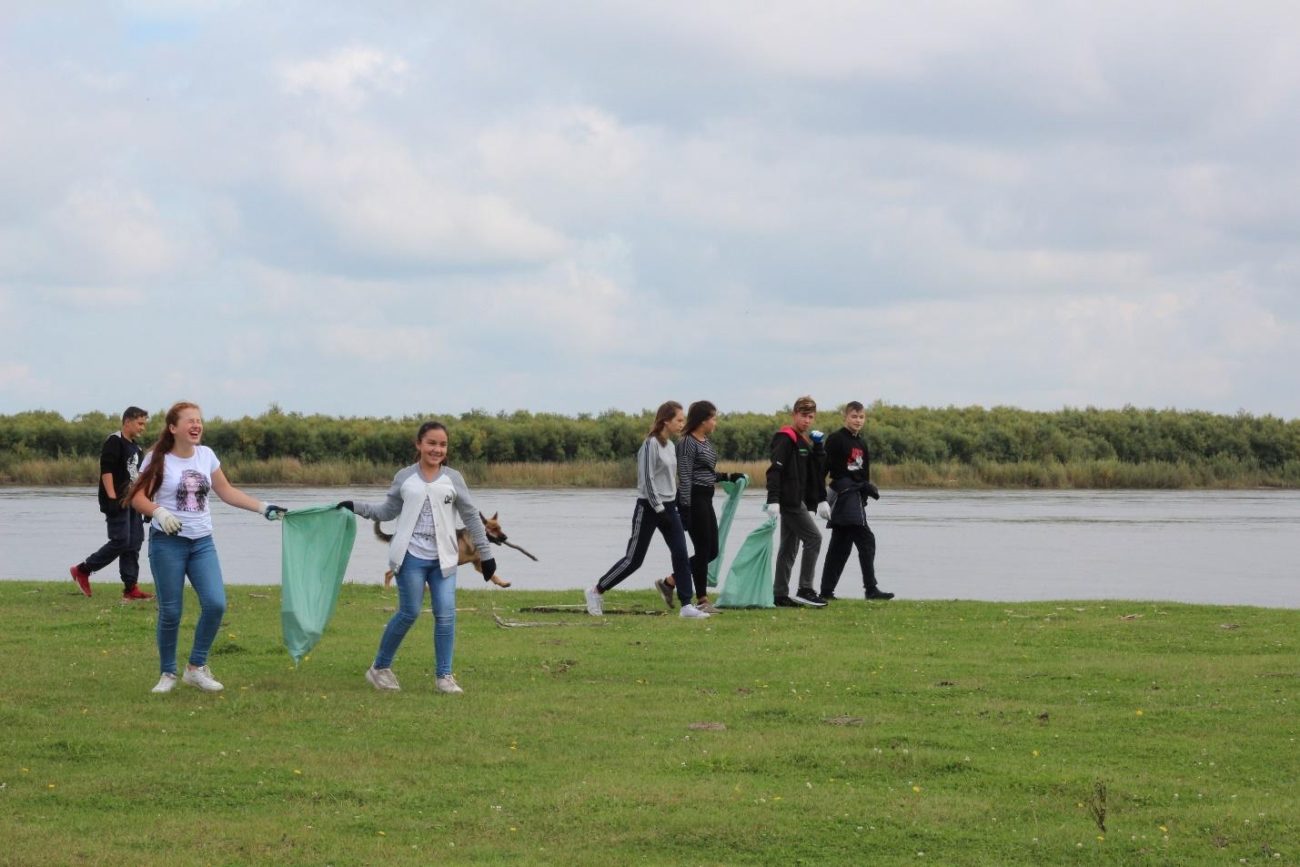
{"x": 735, "y": 477}
{"x": 346, "y": 504}
{"x": 489, "y": 568}
{"x": 872, "y": 491}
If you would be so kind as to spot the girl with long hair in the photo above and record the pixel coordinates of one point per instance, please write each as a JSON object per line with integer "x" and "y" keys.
{"x": 696, "y": 478}
{"x": 656, "y": 509}
{"x": 172, "y": 493}
{"x": 425, "y": 498}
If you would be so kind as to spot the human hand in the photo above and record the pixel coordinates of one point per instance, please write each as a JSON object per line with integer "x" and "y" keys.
{"x": 272, "y": 512}
{"x": 824, "y": 510}
{"x": 346, "y": 504}
{"x": 872, "y": 491}
{"x": 817, "y": 436}
{"x": 773, "y": 510}
{"x": 170, "y": 524}
{"x": 489, "y": 567}
{"x": 735, "y": 477}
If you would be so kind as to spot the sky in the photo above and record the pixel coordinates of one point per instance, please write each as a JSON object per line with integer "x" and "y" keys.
{"x": 401, "y": 208}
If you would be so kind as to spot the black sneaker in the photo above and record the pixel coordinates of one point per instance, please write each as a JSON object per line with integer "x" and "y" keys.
{"x": 828, "y": 597}
{"x": 809, "y": 598}
{"x": 785, "y": 602}
{"x": 877, "y": 593}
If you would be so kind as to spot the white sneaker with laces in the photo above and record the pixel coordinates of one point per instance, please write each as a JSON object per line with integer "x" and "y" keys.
{"x": 690, "y": 611}
{"x": 447, "y": 683}
{"x": 166, "y": 683}
{"x": 595, "y": 603}
{"x": 202, "y": 678}
{"x": 383, "y": 678}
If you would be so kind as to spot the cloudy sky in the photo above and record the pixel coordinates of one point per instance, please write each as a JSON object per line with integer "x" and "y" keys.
{"x": 395, "y": 208}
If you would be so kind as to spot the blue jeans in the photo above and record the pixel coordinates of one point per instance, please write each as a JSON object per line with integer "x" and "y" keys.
{"x": 171, "y": 558}
{"x": 412, "y": 577}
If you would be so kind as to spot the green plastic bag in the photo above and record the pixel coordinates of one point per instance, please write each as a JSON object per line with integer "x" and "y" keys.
{"x": 733, "y": 490}
{"x": 317, "y": 542}
{"x": 749, "y": 583}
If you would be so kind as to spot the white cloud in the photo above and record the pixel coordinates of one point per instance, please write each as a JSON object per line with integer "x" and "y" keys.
{"x": 346, "y": 77}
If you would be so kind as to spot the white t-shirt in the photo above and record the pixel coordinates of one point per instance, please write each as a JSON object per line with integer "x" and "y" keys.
{"x": 186, "y": 486}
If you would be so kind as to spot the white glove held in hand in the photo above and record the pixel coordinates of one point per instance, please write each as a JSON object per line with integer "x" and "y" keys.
{"x": 170, "y": 524}
{"x": 773, "y": 510}
{"x": 824, "y": 510}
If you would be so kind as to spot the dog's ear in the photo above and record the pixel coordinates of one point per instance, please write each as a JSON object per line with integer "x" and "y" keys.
{"x": 494, "y": 515}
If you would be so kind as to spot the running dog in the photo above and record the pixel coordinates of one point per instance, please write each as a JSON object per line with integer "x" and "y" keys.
{"x": 468, "y": 553}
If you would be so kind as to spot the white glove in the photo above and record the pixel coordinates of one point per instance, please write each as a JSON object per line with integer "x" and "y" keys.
{"x": 170, "y": 524}
{"x": 824, "y": 510}
{"x": 773, "y": 510}
{"x": 271, "y": 511}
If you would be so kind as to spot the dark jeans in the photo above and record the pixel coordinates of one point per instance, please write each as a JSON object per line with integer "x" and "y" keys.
{"x": 125, "y": 536}
{"x": 703, "y": 530}
{"x": 843, "y": 539}
{"x": 644, "y": 523}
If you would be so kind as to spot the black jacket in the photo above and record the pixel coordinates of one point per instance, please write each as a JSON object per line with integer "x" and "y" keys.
{"x": 849, "y": 463}
{"x": 794, "y": 478}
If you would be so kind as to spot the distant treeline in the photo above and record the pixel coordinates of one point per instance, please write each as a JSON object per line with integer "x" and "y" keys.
{"x": 915, "y": 445}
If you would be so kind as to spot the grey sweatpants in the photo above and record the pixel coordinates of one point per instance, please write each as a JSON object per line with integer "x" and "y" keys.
{"x": 796, "y": 526}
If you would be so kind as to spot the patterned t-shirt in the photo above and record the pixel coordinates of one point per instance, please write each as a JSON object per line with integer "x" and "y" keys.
{"x": 186, "y": 484}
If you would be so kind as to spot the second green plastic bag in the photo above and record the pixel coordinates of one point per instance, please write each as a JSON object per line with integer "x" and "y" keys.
{"x": 733, "y": 490}
{"x": 749, "y": 582}
{"x": 317, "y": 542}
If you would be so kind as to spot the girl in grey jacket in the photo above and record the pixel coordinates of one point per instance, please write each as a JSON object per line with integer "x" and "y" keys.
{"x": 656, "y": 509}
{"x": 425, "y": 498}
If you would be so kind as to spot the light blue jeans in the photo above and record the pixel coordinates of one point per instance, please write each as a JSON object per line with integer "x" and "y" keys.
{"x": 412, "y": 577}
{"x": 171, "y": 558}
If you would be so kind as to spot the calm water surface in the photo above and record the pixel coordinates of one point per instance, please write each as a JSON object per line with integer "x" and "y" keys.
{"x": 1239, "y": 548}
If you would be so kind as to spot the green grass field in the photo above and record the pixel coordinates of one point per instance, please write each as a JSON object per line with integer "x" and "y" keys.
{"x": 895, "y": 733}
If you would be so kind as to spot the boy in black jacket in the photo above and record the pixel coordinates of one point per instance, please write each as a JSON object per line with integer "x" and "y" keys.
{"x": 849, "y": 465}
{"x": 794, "y": 486}
{"x": 119, "y": 464}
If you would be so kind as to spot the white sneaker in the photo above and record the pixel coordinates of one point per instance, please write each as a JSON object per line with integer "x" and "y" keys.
{"x": 202, "y": 678}
{"x": 166, "y": 683}
{"x": 383, "y": 678}
{"x": 689, "y": 610}
{"x": 447, "y": 683}
{"x": 595, "y": 603}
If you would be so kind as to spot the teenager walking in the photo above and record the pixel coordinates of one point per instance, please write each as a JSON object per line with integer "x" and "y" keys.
{"x": 119, "y": 464}
{"x": 697, "y": 478}
{"x": 848, "y": 462}
{"x": 172, "y": 492}
{"x": 656, "y": 509}
{"x": 794, "y": 486}
{"x": 425, "y": 499}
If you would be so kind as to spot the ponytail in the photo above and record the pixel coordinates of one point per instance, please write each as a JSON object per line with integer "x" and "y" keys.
{"x": 150, "y": 478}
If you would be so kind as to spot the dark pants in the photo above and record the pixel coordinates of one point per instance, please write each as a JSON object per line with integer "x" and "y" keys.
{"x": 703, "y": 529}
{"x": 796, "y": 526}
{"x": 843, "y": 539}
{"x": 125, "y": 536}
{"x": 644, "y": 523}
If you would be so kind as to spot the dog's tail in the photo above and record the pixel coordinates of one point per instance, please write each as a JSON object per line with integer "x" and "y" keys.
{"x": 381, "y": 535}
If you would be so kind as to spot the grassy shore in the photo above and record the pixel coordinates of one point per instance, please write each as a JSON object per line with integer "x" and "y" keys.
{"x": 898, "y": 733}
{"x": 1095, "y": 474}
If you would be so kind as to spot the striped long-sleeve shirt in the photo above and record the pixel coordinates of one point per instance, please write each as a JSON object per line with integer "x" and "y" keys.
{"x": 695, "y": 466}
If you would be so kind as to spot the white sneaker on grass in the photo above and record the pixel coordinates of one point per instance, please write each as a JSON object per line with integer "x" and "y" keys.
{"x": 690, "y": 611}
{"x": 383, "y": 678}
{"x": 166, "y": 683}
{"x": 595, "y": 603}
{"x": 447, "y": 683}
{"x": 202, "y": 678}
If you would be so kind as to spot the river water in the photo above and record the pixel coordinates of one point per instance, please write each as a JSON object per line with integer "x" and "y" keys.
{"x": 1236, "y": 547}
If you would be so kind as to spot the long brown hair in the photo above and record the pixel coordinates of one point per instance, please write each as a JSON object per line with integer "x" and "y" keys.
{"x": 700, "y": 412}
{"x": 150, "y": 479}
{"x": 667, "y": 412}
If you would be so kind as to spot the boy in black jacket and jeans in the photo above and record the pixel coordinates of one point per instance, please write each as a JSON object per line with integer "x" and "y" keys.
{"x": 849, "y": 465}
{"x": 794, "y": 486}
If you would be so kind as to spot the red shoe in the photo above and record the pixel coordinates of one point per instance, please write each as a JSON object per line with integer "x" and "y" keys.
{"x": 81, "y": 576}
{"x": 136, "y": 593}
